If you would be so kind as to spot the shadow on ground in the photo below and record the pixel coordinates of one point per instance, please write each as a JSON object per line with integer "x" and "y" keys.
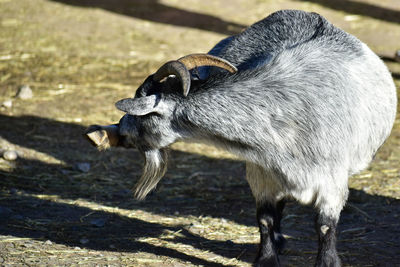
{"x": 155, "y": 11}
{"x": 361, "y": 8}
{"x": 68, "y": 224}
{"x": 194, "y": 185}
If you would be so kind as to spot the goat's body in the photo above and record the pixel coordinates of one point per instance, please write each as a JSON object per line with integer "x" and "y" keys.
{"x": 312, "y": 114}
{"x": 309, "y": 106}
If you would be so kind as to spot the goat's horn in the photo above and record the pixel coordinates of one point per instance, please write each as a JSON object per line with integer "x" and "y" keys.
{"x": 180, "y": 68}
{"x": 174, "y": 68}
{"x": 197, "y": 60}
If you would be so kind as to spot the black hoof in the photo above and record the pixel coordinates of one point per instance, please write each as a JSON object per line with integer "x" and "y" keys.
{"x": 267, "y": 262}
{"x": 328, "y": 260}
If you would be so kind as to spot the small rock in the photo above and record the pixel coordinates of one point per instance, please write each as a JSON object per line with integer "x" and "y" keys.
{"x": 176, "y": 213}
{"x": 229, "y": 243}
{"x": 13, "y": 191}
{"x": 77, "y": 248}
{"x": 397, "y": 55}
{"x": 27, "y": 245}
{"x": 98, "y": 222}
{"x": 48, "y": 242}
{"x": 28, "y": 73}
{"x": 84, "y": 241}
{"x": 10, "y": 155}
{"x": 25, "y": 92}
{"x": 4, "y": 211}
{"x": 7, "y": 103}
{"x": 65, "y": 171}
{"x": 83, "y": 166}
{"x": 17, "y": 217}
{"x": 122, "y": 193}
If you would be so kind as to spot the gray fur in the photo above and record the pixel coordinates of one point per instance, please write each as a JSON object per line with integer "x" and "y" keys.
{"x": 309, "y": 106}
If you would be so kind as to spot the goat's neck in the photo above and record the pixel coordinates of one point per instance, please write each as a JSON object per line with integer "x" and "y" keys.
{"x": 222, "y": 119}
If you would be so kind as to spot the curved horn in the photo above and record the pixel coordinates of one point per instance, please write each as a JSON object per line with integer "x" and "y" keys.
{"x": 197, "y": 60}
{"x": 180, "y": 68}
{"x": 174, "y": 68}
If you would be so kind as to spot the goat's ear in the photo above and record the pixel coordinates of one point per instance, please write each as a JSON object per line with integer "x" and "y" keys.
{"x": 140, "y": 106}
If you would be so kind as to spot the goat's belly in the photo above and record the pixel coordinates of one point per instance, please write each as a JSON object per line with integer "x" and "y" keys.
{"x": 268, "y": 185}
{"x": 267, "y": 189}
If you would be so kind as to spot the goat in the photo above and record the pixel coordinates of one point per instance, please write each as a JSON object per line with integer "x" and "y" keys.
{"x": 304, "y": 103}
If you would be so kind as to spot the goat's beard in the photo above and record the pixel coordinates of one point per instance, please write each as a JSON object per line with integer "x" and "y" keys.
{"x": 155, "y": 166}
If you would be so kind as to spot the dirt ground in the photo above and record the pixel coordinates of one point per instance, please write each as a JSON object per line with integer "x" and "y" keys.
{"x": 62, "y": 203}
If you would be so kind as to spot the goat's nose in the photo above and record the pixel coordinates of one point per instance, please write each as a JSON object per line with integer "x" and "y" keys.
{"x": 103, "y": 137}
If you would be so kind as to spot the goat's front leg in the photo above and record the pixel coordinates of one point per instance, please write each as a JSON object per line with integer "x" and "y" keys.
{"x": 269, "y": 224}
{"x": 269, "y": 214}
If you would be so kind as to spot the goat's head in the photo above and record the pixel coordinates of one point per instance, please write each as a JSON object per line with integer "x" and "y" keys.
{"x": 148, "y": 122}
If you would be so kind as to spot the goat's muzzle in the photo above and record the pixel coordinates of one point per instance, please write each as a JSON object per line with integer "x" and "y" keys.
{"x": 104, "y": 137}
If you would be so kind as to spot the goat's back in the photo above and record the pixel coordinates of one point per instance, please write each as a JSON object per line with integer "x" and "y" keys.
{"x": 316, "y": 94}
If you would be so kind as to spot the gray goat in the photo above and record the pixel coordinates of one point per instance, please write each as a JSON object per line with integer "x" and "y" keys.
{"x": 304, "y": 103}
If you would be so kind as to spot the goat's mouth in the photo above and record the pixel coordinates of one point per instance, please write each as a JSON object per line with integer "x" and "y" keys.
{"x": 104, "y": 137}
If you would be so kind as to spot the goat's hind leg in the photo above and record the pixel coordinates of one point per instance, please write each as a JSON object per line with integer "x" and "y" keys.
{"x": 326, "y": 230}
{"x": 330, "y": 206}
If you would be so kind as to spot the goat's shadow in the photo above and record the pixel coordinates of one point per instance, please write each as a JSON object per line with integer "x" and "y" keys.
{"x": 361, "y": 8}
{"x": 194, "y": 185}
{"x": 69, "y": 224}
{"x": 154, "y": 10}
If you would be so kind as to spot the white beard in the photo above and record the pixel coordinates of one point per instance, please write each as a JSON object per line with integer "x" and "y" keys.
{"x": 154, "y": 169}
